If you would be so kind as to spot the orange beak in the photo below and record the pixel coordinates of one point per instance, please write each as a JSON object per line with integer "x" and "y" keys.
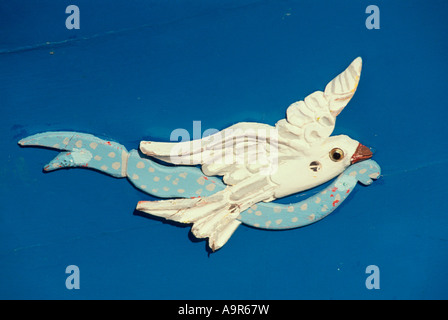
{"x": 361, "y": 153}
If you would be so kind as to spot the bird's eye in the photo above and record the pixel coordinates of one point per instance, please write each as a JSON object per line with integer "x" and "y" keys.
{"x": 336, "y": 154}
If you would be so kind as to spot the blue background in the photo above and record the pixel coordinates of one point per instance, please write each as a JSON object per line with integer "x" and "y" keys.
{"x": 139, "y": 69}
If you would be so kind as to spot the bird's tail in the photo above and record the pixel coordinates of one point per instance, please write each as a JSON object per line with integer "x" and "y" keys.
{"x": 81, "y": 150}
{"x": 212, "y": 217}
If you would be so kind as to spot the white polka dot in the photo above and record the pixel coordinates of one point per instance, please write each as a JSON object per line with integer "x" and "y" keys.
{"x": 78, "y": 143}
{"x": 97, "y": 158}
{"x": 317, "y": 200}
{"x": 111, "y": 154}
{"x": 66, "y": 141}
{"x": 183, "y": 175}
{"x": 140, "y": 165}
{"x": 93, "y": 145}
{"x": 295, "y": 219}
{"x": 268, "y": 223}
{"x": 311, "y": 217}
{"x": 210, "y": 187}
{"x": 201, "y": 181}
{"x": 374, "y": 175}
{"x": 56, "y": 145}
{"x": 166, "y": 188}
{"x": 254, "y": 207}
{"x": 362, "y": 171}
{"x": 277, "y": 209}
{"x": 258, "y": 213}
{"x": 180, "y": 190}
{"x": 304, "y": 206}
{"x": 290, "y": 209}
{"x": 156, "y": 179}
{"x": 199, "y": 191}
{"x": 154, "y": 190}
{"x": 168, "y": 177}
{"x": 143, "y": 186}
{"x": 104, "y": 168}
{"x": 116, "y": 165}
{"x": 278, "y": 221}
{"x": 151, "y": 169}
{"x": 135, "y": 177}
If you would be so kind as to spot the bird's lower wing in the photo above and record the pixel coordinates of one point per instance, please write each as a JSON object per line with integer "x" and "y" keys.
{"x": 215, "y": 217}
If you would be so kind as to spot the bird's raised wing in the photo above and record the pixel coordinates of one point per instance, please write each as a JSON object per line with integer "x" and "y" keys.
{"x": 314, "y": 118}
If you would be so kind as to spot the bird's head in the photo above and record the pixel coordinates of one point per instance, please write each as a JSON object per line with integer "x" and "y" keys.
{"x": 335, "y": 154}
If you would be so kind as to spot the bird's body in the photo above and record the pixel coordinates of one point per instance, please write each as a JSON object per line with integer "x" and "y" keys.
{"x": 262, "y": 163}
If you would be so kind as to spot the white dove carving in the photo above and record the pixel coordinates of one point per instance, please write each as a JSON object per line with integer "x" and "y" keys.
{"x": 259, "y": 162}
